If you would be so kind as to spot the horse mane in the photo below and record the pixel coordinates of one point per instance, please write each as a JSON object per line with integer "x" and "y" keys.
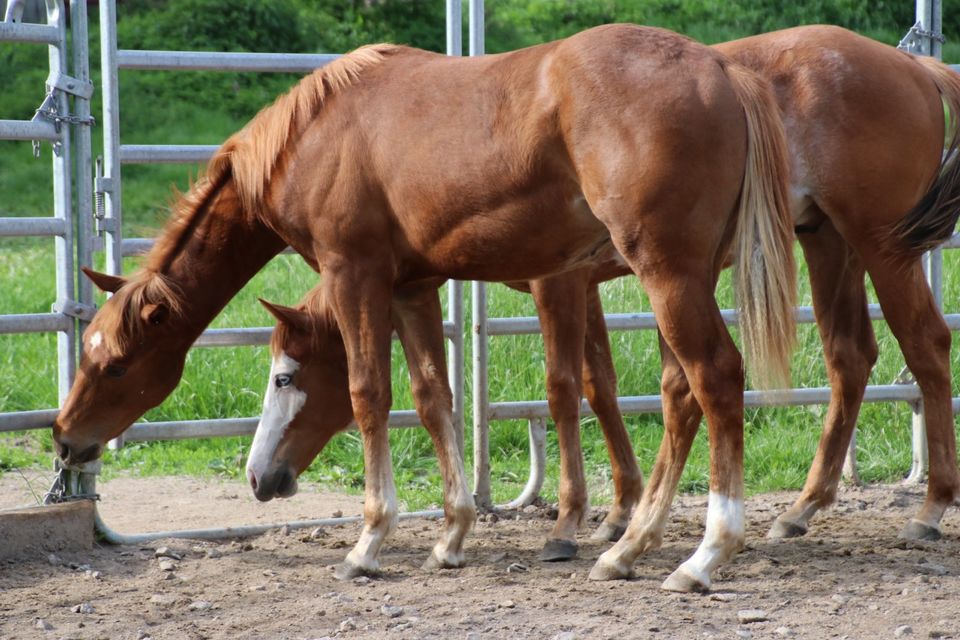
{"x": 255, "y": 150}
{"x": 248, "y": 158}
{"x": 322, "y": 323}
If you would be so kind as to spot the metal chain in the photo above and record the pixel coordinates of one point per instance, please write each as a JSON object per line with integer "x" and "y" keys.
{"x": 915, "y": 35}
{"x": 48, "y": 110}
{"x": 67, "y": 485}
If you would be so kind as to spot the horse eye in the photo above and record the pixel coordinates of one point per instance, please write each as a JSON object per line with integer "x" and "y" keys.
{"x": 115, "y": 371}
{"x": 283, "y": 380}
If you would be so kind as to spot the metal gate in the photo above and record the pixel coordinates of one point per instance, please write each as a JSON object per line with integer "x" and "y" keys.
{"x": 86, "y": 229}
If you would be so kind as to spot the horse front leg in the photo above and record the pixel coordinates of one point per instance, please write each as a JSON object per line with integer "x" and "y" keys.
{"x": 361, "y": 307}
{"x": 600, "y": 389}
{"x": 419, "y": 322}
{"x": 561, "y": 305}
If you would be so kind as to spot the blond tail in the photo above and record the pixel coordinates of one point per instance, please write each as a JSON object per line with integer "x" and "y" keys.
{"x": 765, "y": 276}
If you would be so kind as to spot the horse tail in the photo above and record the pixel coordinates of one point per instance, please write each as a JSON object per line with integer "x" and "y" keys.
{"x": 931, "y": 221}
{"x": 765, "y": 272}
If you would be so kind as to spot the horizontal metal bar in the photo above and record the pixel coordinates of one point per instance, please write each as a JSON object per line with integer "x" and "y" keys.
{"x": 28, "y": 32}
{"x": 222, "y": 61}
{"x": 166, "y": 153}
{"x": 636, "y": 321}
{"x": 25, "y": 420}
{"x": 34, "y": 323}
{"x": 218, "y": 533}
{"x": 234, "y": 337}
{"x": 28, "y": 130}
{"x": 15, "y": 227}
{"x": 181, "y": 430}
{"x": 652, "y": 404}
{"x": 952, "y": 243}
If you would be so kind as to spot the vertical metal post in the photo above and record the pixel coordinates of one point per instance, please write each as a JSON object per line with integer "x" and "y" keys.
{"x": 929, "y": 15}
{"x": 84, "y": 155}
{"x": 481, "y": 402}
{"x": 62, "y": 199}
{"x": 455, "y": 358}
{"x": 111, "y": 144}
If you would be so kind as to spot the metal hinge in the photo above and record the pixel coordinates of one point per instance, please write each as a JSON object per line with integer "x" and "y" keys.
{"x": 102, "y": 185}
{"x": 73, "y": 86}
{"x": 74, "y": 309}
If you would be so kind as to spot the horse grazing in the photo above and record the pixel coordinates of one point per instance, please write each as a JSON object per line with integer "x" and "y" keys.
{"x": 309, "y": 364}
{"x": 621, "y": 134}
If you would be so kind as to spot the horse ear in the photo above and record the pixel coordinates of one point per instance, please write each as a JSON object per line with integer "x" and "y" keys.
{"x": 287, "y": 315}
{"x": 104, "y": 281}
{"x": 154, "y": 313}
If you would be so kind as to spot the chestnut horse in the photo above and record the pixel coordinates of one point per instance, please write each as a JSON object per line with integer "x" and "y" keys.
{"x": 394, "y": 168}
{"x": 876, "y": 211}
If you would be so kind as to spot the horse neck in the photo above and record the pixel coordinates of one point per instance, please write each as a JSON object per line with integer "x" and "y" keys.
{"x": 223, "y": 253}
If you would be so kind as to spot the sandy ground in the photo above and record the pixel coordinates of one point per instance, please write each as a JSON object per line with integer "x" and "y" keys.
{"x": 850, "y": 577}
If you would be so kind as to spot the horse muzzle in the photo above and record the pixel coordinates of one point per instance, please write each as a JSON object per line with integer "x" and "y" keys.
{"x": 278, "y": 482}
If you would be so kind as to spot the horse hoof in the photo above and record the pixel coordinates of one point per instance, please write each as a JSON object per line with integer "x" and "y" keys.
{"x": 916, "y": 530}
{"x": 432, "y": 563}
{"x": 786, "y": 529}
{"x": 603, "y": 571}
{"x": 609, "y": 532}
{"x": 683, "y": 581}
{"x": 557, "y": 550}
{"x": 349, "y": 571}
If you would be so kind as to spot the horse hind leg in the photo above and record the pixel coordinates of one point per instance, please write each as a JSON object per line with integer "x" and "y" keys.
{"x": 924, "y": 338}
{"x": 418, "y": 321}
{"x": 600, "y": 389}
{"x": 681, "y": 418}
{"x": 850, "y": 351}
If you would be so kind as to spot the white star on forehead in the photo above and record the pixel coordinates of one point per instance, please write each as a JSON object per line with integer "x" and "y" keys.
{"x": 96, "y": 340}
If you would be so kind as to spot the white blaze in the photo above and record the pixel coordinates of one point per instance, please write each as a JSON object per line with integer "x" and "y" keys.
{"x": 95, "y": 341}
{"x": 280, "y": 405}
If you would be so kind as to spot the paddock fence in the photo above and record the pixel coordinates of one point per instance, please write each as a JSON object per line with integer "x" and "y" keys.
{"x": 94, "y": 224}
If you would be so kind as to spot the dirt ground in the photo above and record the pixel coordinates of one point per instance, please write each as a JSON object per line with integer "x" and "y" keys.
{"x": 850, "y": 577}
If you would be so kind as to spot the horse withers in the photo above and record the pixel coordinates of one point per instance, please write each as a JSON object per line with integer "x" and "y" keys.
{"x": 622, "y": 134}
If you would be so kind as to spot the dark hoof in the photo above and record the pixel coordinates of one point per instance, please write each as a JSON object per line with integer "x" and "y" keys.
{"x": 557, "y": 550}
{"x": 786, "y": 529}
{"x": 348, "y": 571}
{"x": 916, "y": 530}
{"x": 609, "y": 532}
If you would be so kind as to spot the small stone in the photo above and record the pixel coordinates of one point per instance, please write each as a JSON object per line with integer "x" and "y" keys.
{"x": 748, "y": 616}
{"x": 163, "y": 599}
{"x": 167, "y": 565}
{"x": 723, "y": 597}
{"x": 516, "y": 567}
{"x": 142, "y": 634}
{"x": 508, "y": 604}
{"x": 744, "y": 633}
{"x": 932, "y": 569}
{"x": 42, "y": 624}
{"x": 84, "y": 607}
{"x": 94, "y": 575}
{"x": 318, "y": 533}
{"x": 530, "y": 508}
{"x": 285, "y": 530}
{"x": 362, "y": 580}
{"x": 348, "y": 624}
{"x": 565, "y": 635}
{"x": 200, "y": 605}
{"x": 167, "y": 552}
{"x": 888, "y": 577}
{"x": 54, "y": 559}
{"x": 214, "y": 553}
{"x": 391, "y": 611}
{"x": 473, "y": 635}
{"x": 937, "y": 633}
{"x": 257, "y": 587}
{"x": 337, "y": 514}
{"x": 488, "y": 608}
{"x": 903, "y": 630}
{"x": 786, "y": 632}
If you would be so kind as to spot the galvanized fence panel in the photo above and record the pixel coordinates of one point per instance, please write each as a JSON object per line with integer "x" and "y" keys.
{"x": 54, "y": 123}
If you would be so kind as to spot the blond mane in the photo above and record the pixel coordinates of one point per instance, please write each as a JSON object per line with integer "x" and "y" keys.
{"x": 255, "y": 149}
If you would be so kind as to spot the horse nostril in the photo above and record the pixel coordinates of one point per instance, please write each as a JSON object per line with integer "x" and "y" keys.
{"x": 63, "y": 451}
{"x": 252, "y": 478}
